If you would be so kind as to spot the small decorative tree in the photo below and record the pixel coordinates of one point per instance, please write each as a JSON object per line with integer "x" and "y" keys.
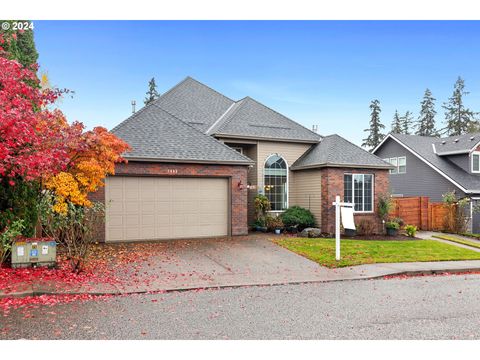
{"x": 384, "y": 207}
{"x": 262, "y": 205}
{"x": 456, "y": 218}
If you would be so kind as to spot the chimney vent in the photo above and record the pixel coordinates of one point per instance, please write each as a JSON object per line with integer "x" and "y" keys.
{"x": 315, "y": 128}
{"x": 133, "y": 106}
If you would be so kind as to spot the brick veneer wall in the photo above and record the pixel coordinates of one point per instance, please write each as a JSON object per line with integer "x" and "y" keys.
{"x": 235, "y": 172}
{"x": 332, "y": 185}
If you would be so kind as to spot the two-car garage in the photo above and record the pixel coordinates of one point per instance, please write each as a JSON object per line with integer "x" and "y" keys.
{"x": 156, "y": 208}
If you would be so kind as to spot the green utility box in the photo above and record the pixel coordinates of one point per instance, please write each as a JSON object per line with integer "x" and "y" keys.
{"x": 30, "y": 252}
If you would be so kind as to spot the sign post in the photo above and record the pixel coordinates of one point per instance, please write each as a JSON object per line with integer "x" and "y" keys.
{"x": 337, "y": 205}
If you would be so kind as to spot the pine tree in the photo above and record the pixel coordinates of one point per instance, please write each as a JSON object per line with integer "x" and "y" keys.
{"x": 426, "y": 120}
{"x": 407, "y": 120}
{"x": 397, "y": 123}
{"x": 375, "y": 135}
{"x": 19, "y": 45}
{"x": 152, "y": 92}
{"x": 459, "y": 118}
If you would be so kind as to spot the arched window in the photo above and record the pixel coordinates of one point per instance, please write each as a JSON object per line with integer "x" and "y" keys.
{"x": 275, "y": 182}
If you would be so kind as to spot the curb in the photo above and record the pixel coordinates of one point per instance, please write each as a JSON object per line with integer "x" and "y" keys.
{"x": 411, "y": 273}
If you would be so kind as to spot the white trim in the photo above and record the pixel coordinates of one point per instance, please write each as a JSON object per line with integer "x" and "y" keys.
{"x": 287, "y": 195}
{"x": 471, "y": 162}
{"x": 434, "y": 149}
{"x": 426, "y": 162}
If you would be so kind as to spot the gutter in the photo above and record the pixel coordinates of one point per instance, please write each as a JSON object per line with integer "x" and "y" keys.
{"x": 188, "y": 161}
{"x": 358, "y": 166}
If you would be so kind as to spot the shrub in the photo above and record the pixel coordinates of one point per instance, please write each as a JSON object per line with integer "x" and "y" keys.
{"x": 75, "y": 229}
{"x": 392, "y": 225}
{"x": 10, "y": 233}
{"x": 411, "y": 230}
{"x": 399, "y": 221}
{"x": 365, "y": 227}
{"x": 262, "y": 205}
{"x": 274, "y": 222}
{"x": 298, "y": 216}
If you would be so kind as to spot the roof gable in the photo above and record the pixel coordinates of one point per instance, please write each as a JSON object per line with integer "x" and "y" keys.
{"x": 156, "y": 135}
{"x": 251, "y": 119}
{"x": 333, "y": 150}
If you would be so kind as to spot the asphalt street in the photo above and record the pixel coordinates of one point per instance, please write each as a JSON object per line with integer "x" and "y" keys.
{"x": 434, "y": 307}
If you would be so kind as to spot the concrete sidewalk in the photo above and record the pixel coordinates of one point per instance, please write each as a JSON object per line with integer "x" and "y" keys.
{"x": 249, "y": 261}
{"x": 429, "y": 235}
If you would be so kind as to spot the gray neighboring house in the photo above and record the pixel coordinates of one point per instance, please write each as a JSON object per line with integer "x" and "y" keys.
{"x": 432, "y": 166}
{"x": 199, "y": 158}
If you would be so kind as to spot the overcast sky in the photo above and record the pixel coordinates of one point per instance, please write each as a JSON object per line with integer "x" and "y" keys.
{"x": 318, "y": 72}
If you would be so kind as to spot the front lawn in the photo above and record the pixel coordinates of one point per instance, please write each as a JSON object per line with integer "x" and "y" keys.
{"x": 357, "y": 252}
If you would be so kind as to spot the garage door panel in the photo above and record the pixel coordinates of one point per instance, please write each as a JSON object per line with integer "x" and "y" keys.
{"x": 147, "y": 208}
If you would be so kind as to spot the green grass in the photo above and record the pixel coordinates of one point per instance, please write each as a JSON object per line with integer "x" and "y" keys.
{"x": 357, "y": 252}
{"x": 458, "y": 240}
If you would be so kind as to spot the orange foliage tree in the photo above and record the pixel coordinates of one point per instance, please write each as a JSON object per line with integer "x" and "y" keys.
{"x": 92, "y": 156}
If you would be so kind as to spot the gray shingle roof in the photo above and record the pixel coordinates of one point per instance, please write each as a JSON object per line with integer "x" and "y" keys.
{"x": 333, "y": 150}
{"x": 249, "y": 118}
{"x": 422, "y": 145}
{"x": 154, "y": 134}
{"x": 195, "y": 103}
{"x": 456, "y": 144}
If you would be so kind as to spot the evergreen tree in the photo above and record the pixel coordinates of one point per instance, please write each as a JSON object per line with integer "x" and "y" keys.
{"x": 407, "y": 120}
{"x": 152, "y": 92}
{"x": 375, "y": 135}
{"x": 19, "y": 45}
{"x": 397, "y": 123}
{"x": 459, "y": 119}
{"x": 426, "y": 120}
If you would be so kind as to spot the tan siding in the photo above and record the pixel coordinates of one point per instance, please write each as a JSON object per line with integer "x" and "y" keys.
{"x": 307, "y": 191}
{"x": 289, "y": 151}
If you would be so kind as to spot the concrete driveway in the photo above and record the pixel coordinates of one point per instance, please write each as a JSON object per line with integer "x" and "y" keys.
{"x": 249, "y": 260}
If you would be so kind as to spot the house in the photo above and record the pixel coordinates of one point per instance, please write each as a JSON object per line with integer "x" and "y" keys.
{"x": 431, "y": 166}
{"x": 199, "y": 158}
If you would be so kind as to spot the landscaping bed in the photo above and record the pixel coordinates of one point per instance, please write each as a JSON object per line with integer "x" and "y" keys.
{"x": 355, "y": 252}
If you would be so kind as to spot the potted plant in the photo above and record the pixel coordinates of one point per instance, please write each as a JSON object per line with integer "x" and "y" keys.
{"x": 260, "y": 224}
{"x": 392, "y": 227}
{"x": 276, "y": 224}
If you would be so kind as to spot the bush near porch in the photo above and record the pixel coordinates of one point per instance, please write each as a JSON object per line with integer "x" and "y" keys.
{"x": 358, "y": 252}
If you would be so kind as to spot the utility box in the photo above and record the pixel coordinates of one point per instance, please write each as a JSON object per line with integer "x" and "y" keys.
{"x": 30, "y": 252}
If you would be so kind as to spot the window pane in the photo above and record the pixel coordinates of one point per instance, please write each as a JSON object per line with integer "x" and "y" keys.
{"x": 368, "y": 193}
{"x": 476, "y": 162}
{"x": 358, "y": 192}
{"x": 402, "y": 165}
{"x": 394, "y": 162}
{"x": 275, "y": 182}
{"x": 347, "y": 188}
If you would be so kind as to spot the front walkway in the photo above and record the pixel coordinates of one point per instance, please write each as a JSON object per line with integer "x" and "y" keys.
{"x": 428, "y": 235}
{"x": 245, "y": 261}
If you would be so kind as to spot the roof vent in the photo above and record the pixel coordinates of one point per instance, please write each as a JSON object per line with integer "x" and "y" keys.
{"x": 455, "y": 141}
{"x": 472, "y": 138}
{"x": 315, "y": 128}
{"x": 443, "y": 142}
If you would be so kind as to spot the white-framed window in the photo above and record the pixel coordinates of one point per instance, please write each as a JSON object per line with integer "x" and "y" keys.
{"x": 275, "y": 182}
{"x": 476, "y": 162}
{"x": 400, "y": 164}
{"x": 359, "y": 190}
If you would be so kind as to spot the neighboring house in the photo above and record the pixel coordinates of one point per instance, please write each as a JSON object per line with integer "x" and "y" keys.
{"x": 431, "y": 166}
{"x": 199, "y": 158}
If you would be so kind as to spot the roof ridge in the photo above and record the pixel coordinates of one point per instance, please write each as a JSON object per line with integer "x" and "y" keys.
{"x": 208, "y": 87}
{"x": 170, "y": 90}
{"x": 286, "y": 117}
{"x": 200, "y": 132}
{"x": 229, "y": 117}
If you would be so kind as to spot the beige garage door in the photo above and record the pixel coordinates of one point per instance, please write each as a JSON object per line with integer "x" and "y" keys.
{"x": 149, "y": 208}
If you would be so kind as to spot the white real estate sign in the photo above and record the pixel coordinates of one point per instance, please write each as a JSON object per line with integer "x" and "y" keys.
{"x": 346, "y": 209}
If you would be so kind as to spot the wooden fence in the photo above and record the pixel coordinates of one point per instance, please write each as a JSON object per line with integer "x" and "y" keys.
{"x": 419, "y": 211}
